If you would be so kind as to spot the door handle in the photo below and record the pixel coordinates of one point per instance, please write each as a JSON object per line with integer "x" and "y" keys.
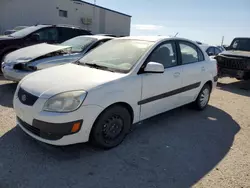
{"x": 203, "y": 69}
{"x": 176, "y": 74}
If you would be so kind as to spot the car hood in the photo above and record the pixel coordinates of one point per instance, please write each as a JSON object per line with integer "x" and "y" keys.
{"x": 236, "y": 53}
{"x": 69, "y": 77}
{"x": 30, "y": 53}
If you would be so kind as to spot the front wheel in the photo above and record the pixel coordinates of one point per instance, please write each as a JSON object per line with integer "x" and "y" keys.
{"x": 203, "y": 97}
{"x": 111, "y": 127}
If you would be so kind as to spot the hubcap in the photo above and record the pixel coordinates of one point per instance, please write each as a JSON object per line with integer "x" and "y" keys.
{"x": 112, "y": 128}
{"x": 204, "y": 97}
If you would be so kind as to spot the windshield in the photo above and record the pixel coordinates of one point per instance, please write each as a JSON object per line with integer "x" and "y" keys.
{"x": 24, "y": 32}
{"x": 19, "y": 28}
{"x": 79, "y": 44}
{"x": 240, "y": 44}
{"x": 120, "y": 55}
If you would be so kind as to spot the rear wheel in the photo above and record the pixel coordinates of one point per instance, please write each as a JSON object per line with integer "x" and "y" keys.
{"x": 203, "y": 97}
{"x": 111, "y": 127}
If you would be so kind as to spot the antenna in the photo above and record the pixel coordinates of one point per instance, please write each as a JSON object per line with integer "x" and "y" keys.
{"x": 176, "y": 34}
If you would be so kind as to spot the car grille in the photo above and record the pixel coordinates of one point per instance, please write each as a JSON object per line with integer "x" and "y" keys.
{"x": 232, "y": 62}
{"x": 26, "y": 97}
{"x": 38, "y": 132}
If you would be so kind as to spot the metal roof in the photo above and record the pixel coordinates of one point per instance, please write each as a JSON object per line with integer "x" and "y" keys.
{"x": 80, "y": 1}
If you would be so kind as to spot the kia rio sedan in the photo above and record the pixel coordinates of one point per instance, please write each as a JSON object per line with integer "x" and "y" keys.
{"x": 118, "y": 84}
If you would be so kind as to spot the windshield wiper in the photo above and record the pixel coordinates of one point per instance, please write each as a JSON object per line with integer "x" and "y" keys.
{"x": 93, "y": 65}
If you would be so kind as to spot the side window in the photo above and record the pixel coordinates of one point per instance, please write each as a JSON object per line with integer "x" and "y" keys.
{"x": 47, "y": 35}
{"x": 67, "y": 33}
{"x": 210, "y": 51}
{"x": 84, "y": 32}
{"x": 164, "y": 54}
{"x": 190, "y": 53}
{"x": 217, "y": 51}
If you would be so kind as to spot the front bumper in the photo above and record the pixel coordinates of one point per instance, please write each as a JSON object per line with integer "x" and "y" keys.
{"x": 14, "y": 75}
{"x": 50, "y": 131}
{"x": 55, "y": 128}
{"x": 240, "y": 74}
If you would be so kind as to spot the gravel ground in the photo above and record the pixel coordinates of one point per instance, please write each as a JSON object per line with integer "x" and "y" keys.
{"x": 180, "y": 148}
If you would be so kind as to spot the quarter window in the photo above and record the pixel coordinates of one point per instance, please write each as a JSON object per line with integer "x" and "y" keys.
{"x": 164, "y": 54}
{"x": 190, "y": 53}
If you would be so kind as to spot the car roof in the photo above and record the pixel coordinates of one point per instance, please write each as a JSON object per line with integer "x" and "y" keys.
{"x": 153, "y": 38}
{"x": 58, "y": 25}
{"x": 146, "y": 38}
{"x": 98, "y": 37}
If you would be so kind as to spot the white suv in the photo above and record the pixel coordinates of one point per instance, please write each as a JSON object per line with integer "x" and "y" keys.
{"x": 122, "y": 82}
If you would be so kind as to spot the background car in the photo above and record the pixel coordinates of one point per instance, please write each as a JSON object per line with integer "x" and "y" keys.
{"x": 235, "y": 62}
{"x": 121, "y": 82}
{"x": 27, "y": 60}
{"x": 211, "y": 51}
{"x": 52, "y": 34}
{"x": 18, "y": 28}
{"x": 221, "y": 48}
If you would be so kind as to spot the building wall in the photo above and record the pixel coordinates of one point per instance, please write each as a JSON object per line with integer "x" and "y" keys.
{"x": 29, "y": 12}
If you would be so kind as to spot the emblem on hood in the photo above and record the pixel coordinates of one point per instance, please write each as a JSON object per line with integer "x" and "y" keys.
{"x": 24, "y": 98}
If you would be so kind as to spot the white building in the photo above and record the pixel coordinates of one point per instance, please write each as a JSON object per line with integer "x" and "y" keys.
{"x": 73, "y": 12}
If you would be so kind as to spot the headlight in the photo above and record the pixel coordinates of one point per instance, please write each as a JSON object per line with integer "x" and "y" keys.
{"x": 65, "y": 102}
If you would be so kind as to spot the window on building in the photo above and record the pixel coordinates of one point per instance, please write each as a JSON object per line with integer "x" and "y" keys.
{"x": 63, "y": 13}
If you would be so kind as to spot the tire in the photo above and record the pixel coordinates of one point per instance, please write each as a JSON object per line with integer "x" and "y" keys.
{"x": 203, "y": 97}
{"x": 111, "y": 127}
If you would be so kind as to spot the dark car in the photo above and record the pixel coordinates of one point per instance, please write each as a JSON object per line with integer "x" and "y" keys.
{"x": 52, "y": 34}
{"x": 235, "y": 62}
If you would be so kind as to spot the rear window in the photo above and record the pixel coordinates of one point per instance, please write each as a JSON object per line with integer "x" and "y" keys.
{"x": 240, "y": 44}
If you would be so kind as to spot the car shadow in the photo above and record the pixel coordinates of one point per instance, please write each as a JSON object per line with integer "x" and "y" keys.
{"x": 174, "y": 149}
{"x": 7, "y": 93}
{"x": 238, "y": 87}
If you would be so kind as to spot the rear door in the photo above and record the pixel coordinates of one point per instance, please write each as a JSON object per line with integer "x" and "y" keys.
{"x": 194, "y": 70}
{"x": 160, "y": 90}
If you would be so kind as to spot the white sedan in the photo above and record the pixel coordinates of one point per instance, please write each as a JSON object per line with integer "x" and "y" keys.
{"x": 120, "y": 83}
{"x": 25, "y": 61}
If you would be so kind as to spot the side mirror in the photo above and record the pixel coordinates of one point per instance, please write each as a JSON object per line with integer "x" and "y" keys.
{"x": 154, "y": 67}
{"x": 35, "y": 37}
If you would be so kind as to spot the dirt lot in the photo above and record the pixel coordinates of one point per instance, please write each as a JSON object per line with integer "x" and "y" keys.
{"x": 180, "y": 148}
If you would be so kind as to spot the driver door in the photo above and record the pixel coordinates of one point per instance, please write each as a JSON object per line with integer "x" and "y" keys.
{"x": 160, "y": 91}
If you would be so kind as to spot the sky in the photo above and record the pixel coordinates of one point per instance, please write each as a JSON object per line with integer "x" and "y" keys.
{"x": 202, "y": 20}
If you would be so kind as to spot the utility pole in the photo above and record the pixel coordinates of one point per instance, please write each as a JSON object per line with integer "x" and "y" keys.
{"x": 222, "y": 41}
